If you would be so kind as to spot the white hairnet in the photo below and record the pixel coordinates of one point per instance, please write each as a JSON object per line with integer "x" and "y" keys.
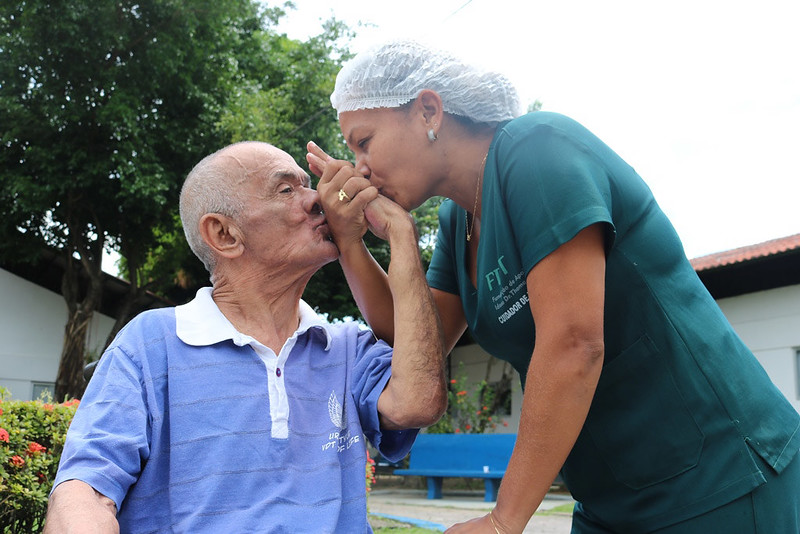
{"x": 392, "y": 74}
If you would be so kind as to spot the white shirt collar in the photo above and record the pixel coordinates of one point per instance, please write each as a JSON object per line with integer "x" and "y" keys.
{"x": 201, "y": 323}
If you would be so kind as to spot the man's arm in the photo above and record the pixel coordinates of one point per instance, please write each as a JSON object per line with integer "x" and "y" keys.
{"x": 416, "y": 394}
{"x": 366, "y": 278}
{"x": 76, "y": 507}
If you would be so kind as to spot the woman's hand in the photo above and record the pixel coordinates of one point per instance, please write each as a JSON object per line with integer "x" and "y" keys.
{"x": 344, "y": 195}
{"x": 480, "y": 525}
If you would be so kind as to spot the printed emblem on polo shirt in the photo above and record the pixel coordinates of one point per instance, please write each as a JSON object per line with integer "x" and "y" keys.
{"x": 339, "y": 440}
{"x": 335, "y": 411}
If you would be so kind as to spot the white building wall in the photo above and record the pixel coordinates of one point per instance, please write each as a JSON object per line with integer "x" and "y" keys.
{"x": 32, "y": 321}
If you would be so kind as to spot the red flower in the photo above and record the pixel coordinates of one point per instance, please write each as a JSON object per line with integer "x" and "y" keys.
{"x": 4, "y": 435}
{"x": 48, "y": 407}
{"x": 453, "y": 381}
{"x": 17, "y": 461}
{"x": 458, "y": 431}
{"x": 34, "y": 448}
{"x": 468, "y": 427}
{"x": 73, "y": 402}
{"x": 461, "y": 393}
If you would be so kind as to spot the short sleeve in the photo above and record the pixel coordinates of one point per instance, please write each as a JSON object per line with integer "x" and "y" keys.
{"x": 371, "y": 372}
{"x": 107, "y": 441}
{"x": 553, "y": 185}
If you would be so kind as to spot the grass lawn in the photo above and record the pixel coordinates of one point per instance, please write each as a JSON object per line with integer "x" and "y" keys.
{"x": 560, "y": 509}
{"x": 384, "y": 525}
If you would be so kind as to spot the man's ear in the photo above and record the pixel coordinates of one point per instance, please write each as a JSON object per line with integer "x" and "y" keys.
{"x": 429, "y": 103}
{"x": 221, "y": 234}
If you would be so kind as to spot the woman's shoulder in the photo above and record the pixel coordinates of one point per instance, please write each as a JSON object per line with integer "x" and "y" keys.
{"x": 541, "y": 122}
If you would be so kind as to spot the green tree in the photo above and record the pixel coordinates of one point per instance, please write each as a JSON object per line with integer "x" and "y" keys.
{"x": 284, "y": 99}
{"x": 105, "y": 106}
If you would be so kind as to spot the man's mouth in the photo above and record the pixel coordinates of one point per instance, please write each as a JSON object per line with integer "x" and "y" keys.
{"x": 325, "y": 229}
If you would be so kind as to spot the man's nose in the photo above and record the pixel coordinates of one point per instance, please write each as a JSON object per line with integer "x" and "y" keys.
{"x": 311, "y": 202}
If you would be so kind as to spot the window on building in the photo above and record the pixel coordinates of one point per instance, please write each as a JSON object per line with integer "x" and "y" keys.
{"x": 39, "y": 389}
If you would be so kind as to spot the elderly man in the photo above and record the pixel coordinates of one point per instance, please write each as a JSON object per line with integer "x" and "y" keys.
{"x": 242, "y": 411}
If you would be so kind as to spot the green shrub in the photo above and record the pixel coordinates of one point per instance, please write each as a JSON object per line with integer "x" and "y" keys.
{"x": 469, "y": 408}
{"x": 31, "y": 440}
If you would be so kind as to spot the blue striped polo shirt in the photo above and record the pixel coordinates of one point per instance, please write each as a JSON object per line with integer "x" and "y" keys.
{"x": 191, "y": 426}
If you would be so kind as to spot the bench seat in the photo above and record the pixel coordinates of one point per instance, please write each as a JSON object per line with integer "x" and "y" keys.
{"x": 438, "y": 456}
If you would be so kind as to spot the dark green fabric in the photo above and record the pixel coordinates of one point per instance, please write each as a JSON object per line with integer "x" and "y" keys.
{"x": 771, "y": 508}
{"x": 681, "y": 400}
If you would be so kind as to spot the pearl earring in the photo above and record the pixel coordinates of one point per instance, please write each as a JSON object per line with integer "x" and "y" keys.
{"x": 431, "y": 135}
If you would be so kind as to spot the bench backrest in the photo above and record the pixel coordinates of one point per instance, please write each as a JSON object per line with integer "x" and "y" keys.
{"x": 462, "y": 451}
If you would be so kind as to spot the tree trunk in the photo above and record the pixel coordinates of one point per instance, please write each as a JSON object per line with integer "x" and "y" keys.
{"x": 69, "y": 382}
{"x": 134, "y": 297}
{"x": 81, "y": 304}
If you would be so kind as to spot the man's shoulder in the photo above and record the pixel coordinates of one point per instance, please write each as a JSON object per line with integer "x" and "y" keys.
{"x": 149, "y": 324}
{"x": 349, "y": 329}
{"x": 156, "y": 317}
{"x": 352, "y": 333}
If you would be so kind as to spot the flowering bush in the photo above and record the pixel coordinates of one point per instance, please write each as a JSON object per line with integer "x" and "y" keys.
{"x": 468, "y": 411}
{"x": 370, "y": 472}
{"x": 31, "y": 439}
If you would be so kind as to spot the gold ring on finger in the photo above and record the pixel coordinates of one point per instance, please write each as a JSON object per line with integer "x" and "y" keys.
{"x": 343, "y": 196}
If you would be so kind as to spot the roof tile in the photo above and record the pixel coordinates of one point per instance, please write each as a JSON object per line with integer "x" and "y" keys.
{"x": 750, "y": 252}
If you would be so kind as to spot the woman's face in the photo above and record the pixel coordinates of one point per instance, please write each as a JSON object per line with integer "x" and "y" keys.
{"x": 392, "y": 149}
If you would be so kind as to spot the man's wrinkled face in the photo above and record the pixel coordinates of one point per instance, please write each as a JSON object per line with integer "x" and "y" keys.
{"x": 282, "y": 220}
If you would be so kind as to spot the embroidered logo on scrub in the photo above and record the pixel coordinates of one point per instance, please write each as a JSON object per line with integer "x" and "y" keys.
{"x": 509, "y": 292}
{"x": 341, "y": 439}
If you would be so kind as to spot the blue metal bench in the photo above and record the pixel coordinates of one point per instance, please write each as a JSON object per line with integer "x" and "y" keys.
{"x": 436, "y": 456}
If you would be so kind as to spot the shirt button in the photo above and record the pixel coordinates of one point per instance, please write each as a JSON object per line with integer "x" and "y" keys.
{"x": 278, "y": 371}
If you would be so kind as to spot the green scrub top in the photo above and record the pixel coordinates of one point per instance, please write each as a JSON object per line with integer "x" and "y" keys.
{"x": 682, "y": 403}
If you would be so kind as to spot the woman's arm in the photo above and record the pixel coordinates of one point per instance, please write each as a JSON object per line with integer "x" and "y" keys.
{"x": 566, "y": 292}
{"x": 366, "y": 278}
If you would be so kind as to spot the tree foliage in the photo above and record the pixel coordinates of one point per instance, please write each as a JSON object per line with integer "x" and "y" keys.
{"x": 105, "y": 106}
{"x": 284, "y": 98}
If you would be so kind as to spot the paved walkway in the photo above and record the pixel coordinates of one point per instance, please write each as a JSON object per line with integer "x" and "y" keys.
{"x": 458, "y": 506}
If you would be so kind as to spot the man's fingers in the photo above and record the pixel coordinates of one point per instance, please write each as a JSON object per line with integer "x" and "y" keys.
{"x": 314, "y": 149}
{"x": 319, "y": 162}
{"x": 315, "y": 165}
{"x": 363, "y": 196}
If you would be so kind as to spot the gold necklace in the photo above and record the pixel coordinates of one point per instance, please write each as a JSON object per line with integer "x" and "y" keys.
{"x": 471, "y": 224}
